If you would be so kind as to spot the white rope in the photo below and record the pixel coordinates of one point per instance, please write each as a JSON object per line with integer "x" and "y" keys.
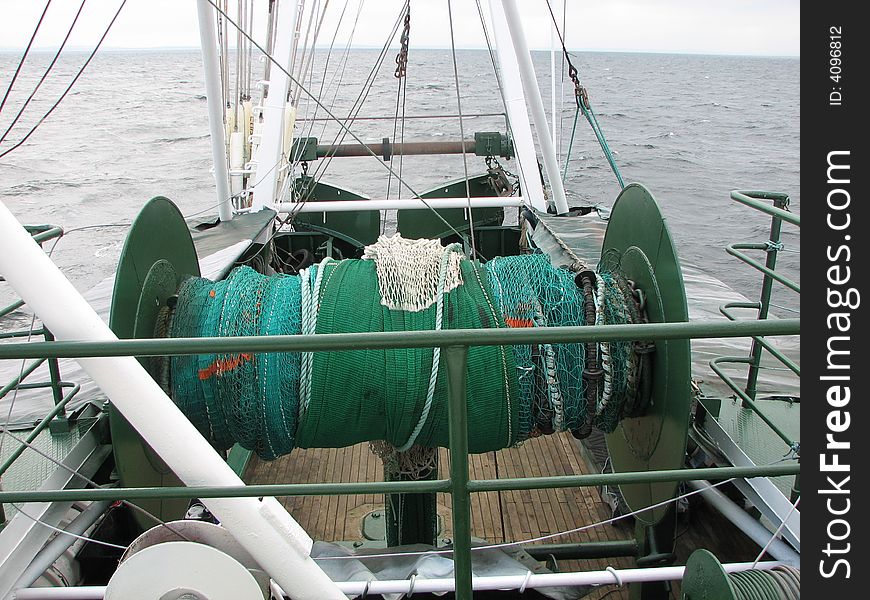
{"x": 449, "y": 251}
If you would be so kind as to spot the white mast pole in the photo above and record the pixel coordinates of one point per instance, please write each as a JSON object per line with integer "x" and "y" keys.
{"x": 270, "y": 156}
{"x": 553, "y": 120}
{"x": 264, "y": 528}
{"x": 211, "y": 66}
{"x": 518, "y": 116}
{"x": 536, "y": 103}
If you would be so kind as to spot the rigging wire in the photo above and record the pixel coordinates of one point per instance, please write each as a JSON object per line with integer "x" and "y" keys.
{"x": 401, "y": 86}
{"x": 582, "y": 99}
{"x": 64, "y": 531}
{"x": 461, "y": 128}
{"x": 24, "y": 56}
{"x": 44, "y": 75}
{"x": 95, "y": 485}
{"x": 71, "y": 84}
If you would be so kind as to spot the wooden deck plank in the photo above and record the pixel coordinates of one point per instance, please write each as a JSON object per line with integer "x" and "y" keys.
{"x": 526, "y": 514}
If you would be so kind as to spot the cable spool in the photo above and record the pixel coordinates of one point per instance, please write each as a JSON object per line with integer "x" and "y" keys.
{"x": 158, "y": 253}
{"x": 706, "y": 579}
{"x": 639, "y": 245}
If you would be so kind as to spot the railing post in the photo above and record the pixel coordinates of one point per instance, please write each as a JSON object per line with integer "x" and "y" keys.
{"x": 766, "y": 290}
{"x": 456, "y": 357}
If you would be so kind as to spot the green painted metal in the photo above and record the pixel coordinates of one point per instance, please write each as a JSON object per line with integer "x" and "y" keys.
{"x": 411, "y": 518}
{"x": 747, "y": 400}
{"x": 735, "y": 250}
{"x": 792, "y": 366}
{"x": 403, "y": 339}
{"x": 639, "y": 244}
{"x": 705, "y": 579}
{"x": 387, "y": 487}
{"x": 358, "y": 228}
{"x": 157, "y": 251}
{"x": 456, "y": 358}
{"x": 45, "y": 422}
{"x": 754, "y": 199}
{"x": 22, "y": 375}
{"x": 304, "y": 149}
{"x": 493, "y": 143}
{"x": 11, "y": 308}
{"x": 583, "y": 550}
{"x": 238, "y": 459}
{"x": 417, "y": 224}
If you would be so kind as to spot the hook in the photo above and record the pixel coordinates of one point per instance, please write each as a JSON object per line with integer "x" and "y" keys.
{"x": 525, "y": 582}
{"x": 413, "y": 582}
{"x": 366, "y": 589}
{"x": 616, "y": 576}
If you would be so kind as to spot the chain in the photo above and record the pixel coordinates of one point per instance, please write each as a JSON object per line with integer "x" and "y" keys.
{"x": 580, "y": 93}
{"x": 502, "y": 181}
{"x": 402, "y": 56}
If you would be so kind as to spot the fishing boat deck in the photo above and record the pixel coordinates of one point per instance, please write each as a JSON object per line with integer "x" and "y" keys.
{"x": 496, "y": 517}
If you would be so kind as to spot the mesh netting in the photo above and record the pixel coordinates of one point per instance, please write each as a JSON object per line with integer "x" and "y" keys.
{"x": 272, "y": 402}
{"x": 246, "y": 398}
{"x": 530, "y": 292}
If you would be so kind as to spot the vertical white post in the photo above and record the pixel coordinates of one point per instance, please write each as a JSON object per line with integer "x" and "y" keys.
{"x": 518, "y": 116}
{"x": 536, "y": 103}
{"x": 211, "y": 66}
{"x": 553, "y": 119}
{"x": 270, "y": 155}
{"x": 263, "y": 528}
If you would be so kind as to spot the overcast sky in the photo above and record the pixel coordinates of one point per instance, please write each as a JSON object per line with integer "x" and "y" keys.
{"x": 756, "y": 27}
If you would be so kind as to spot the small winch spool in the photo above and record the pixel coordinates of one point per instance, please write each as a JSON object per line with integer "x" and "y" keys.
{"x": 182, "y": 570}
{"x": 706, "y": 579}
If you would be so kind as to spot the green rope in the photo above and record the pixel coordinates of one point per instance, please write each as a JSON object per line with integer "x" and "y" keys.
{"x": 593, "y": 122}
{"x": 571, "y": 144}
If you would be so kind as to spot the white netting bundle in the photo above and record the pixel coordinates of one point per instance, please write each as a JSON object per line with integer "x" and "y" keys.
{"x": 408, "y": 271}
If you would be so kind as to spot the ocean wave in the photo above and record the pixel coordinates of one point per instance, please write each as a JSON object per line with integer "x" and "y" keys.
{"x": 184, "y": 138}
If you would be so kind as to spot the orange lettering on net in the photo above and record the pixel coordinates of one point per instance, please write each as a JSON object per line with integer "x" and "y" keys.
{"x": 515, "y": 322}
{"x": 222, "y": 365}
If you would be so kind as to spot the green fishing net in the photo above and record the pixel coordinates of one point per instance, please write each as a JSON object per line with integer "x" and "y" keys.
{"x": 273, "y": 402}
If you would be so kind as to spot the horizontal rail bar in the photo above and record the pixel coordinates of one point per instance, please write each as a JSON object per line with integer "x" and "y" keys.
{"x": 583, "y": 550}
{"x": 406, "y": 117}
{"x": 714, "y": 364}
{"x": 444, "y": 584}
{"x": 399, "y": 204}
{"x": 597, "y": 479}
{"x": 22, "y": 333}
{"x": 734, "y": 250}
{"x": 402, "y": 339}
{"x": 775, "y": 352}
{"x": 753, "y": 199}
{"x": 395, "y": 487}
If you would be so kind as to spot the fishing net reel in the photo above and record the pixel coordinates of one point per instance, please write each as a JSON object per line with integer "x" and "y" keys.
{"x": 635, "y": 391}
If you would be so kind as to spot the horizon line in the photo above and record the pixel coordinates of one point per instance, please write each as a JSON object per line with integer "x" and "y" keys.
{"x": 478, "y": 48}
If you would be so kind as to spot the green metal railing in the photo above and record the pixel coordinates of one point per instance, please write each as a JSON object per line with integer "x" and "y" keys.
{"x": 40, "y": 234}
{"x": 456, "y": 343}
{"x": 779, "y": 213}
